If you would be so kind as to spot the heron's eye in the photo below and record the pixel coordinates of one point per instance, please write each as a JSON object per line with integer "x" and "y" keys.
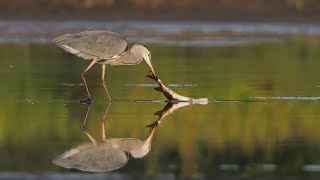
{"x": 149, "y": 56}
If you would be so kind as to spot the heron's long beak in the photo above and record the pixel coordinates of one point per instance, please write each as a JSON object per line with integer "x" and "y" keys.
{"x": 148, "y": 61}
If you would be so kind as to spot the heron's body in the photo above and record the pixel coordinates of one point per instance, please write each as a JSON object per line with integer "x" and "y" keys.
{"x": 103, "y": 47}
{"x": 104, "y": 154}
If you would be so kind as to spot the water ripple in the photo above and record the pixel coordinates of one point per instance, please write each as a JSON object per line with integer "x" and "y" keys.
{"x": 286, "y": 98}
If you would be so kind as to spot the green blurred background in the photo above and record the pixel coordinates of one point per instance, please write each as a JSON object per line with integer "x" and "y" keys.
{"x": 41, "y": 114}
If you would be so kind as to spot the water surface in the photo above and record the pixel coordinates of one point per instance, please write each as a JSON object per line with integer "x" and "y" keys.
{"x": 262, "y": 119}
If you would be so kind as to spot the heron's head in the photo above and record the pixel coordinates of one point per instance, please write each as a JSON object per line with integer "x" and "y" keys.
{"x": 144, "y": 53}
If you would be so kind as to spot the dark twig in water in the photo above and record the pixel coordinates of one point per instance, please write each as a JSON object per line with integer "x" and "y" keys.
{"x": 171, "y": 95}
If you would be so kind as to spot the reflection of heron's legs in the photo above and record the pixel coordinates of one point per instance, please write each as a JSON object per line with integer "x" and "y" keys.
{"x": 103, "y": 121}
{"x": 84, "y": 79}
{"x": 85, "y": 118}
{"x": 104, "y": 82}
{"x": 84, "y": 127}
{"x": 90, "y": 137}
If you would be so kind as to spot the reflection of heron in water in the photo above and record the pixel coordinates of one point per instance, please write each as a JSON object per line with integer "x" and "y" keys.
{"x": 104, "y": 154}
{"x": 168, "y": 109}
{"x": 103, "y": 47}
{"x": 111, "y": 154}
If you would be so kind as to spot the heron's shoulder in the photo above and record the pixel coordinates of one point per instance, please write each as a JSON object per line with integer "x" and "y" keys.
{"x": 101, "y": 35}
{"x": 94, "y": 35}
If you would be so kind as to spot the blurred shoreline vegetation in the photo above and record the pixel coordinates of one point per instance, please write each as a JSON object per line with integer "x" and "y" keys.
{"x": 307, "y": 10}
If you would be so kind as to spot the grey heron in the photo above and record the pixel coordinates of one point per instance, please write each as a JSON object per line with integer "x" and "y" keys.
{"x": 103, "y": 47}
{"x": 104, "y": 154}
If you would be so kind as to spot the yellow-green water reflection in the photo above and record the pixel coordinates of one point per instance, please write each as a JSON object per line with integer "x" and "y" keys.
{"x": 41, "y": 115}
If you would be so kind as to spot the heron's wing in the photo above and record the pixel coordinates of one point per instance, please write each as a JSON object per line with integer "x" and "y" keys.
{"x": 99, "y": 157}
{"x": 93, "y": 44}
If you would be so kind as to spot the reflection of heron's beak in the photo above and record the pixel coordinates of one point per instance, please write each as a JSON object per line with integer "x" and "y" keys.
{"x": 148, "y": 61}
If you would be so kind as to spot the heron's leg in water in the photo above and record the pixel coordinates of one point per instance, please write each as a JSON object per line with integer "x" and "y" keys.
{"x": 103, "y": 120}
{"x": 84, "y": 127}
{"x": 84, "y": 79}
{"x": 103, "y": 80}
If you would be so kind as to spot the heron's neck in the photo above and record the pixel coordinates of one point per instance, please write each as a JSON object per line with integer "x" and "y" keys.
{"x": 136, "y": 54}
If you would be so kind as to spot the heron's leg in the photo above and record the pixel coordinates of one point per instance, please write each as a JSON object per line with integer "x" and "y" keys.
{"x": 84, "y": 127}
{"x": 84, "y": 79}
{"x": 103, "y": 120}
{"x": 90, "y": 137}
{"x": 104, "y": 82}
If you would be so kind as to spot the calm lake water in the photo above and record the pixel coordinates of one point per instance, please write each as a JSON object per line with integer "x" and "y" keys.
{"x": 262, "y": 119}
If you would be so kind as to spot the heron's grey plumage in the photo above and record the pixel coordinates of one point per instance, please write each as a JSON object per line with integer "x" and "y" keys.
{"x": 99, "y": 157}
{"x": 105, "y": 154}
{"x": 93, "y": 44}
{"x": 103, "y": 47}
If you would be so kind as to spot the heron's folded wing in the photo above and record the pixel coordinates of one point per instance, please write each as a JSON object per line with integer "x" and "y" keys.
{"x": 93, "y": 44}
